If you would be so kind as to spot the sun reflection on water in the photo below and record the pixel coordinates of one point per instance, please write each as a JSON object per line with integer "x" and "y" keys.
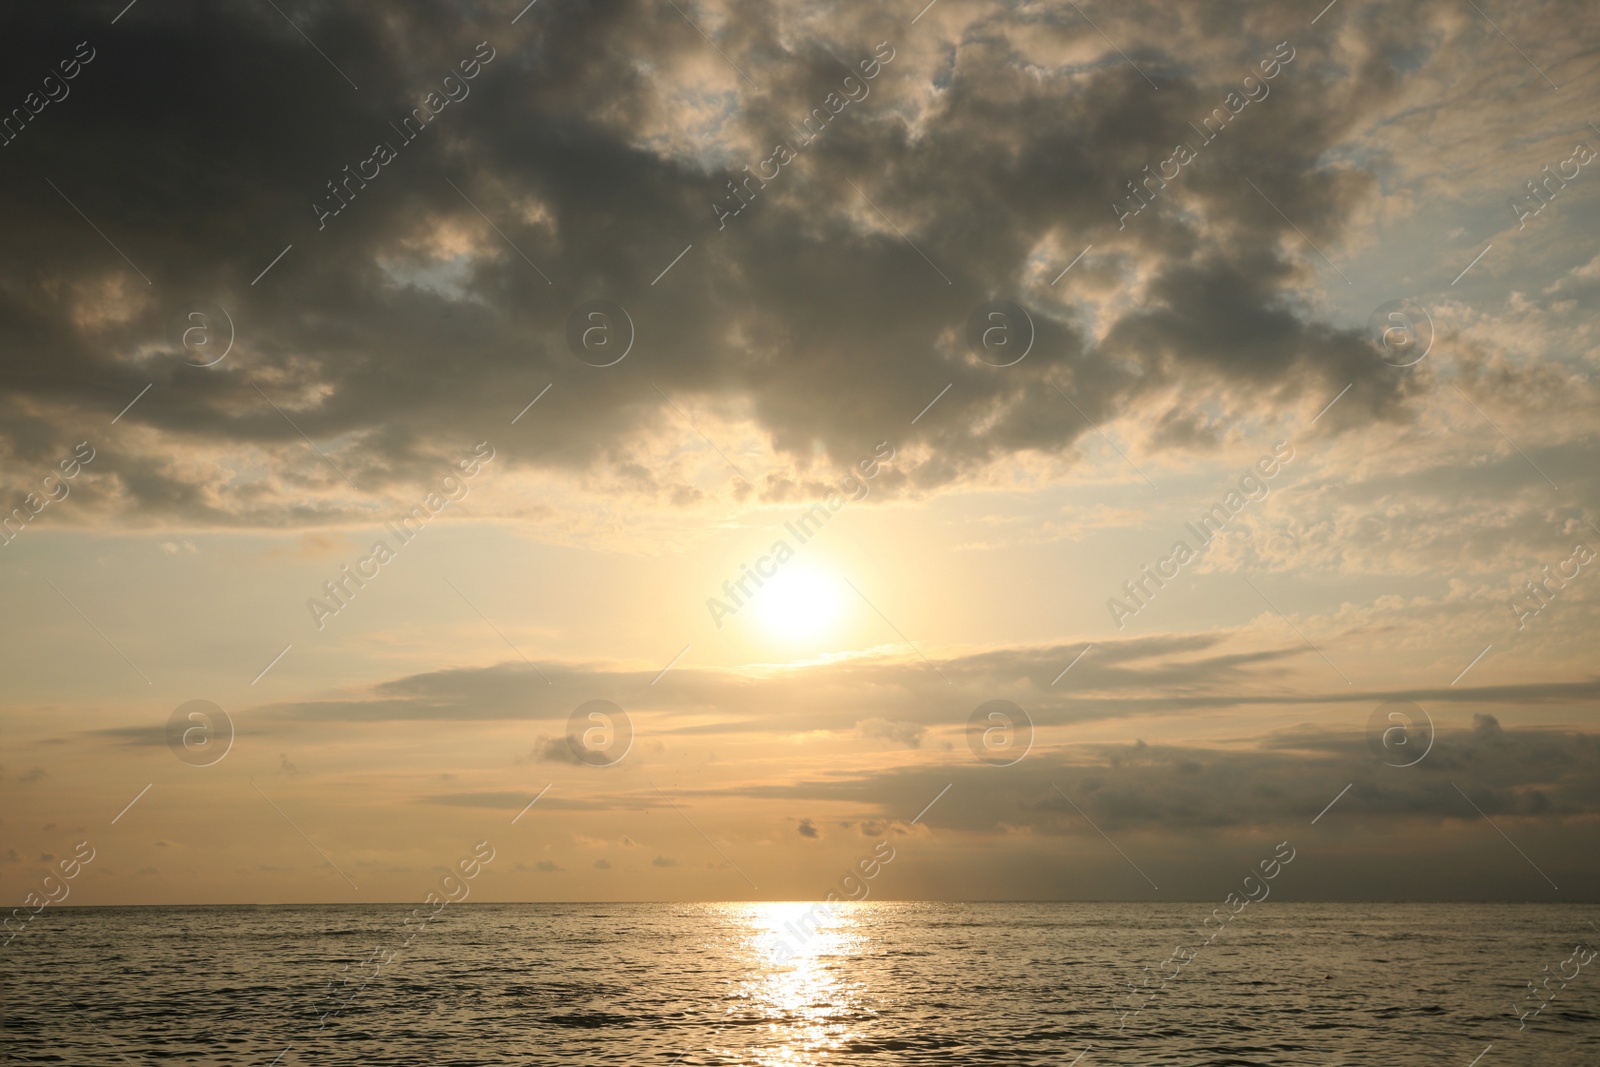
{"x": 796, "y": 984}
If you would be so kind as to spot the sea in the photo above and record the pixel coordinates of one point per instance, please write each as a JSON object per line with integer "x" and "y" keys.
{"x": 684, "y": 985}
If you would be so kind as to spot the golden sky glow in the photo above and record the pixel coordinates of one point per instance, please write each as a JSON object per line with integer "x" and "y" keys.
{"x": 563, "y": 405}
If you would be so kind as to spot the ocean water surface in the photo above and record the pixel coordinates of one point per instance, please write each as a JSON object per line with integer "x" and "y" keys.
{"x": 904, "y": 983}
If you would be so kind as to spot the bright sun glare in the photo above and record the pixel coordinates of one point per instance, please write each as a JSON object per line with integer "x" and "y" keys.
{"x": 799, "y": 602}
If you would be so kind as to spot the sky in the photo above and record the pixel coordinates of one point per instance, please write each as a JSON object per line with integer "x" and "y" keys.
{"x": 687, "y": 444}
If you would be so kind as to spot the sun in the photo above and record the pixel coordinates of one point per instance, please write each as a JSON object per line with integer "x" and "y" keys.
{"x": 799, "y": 602}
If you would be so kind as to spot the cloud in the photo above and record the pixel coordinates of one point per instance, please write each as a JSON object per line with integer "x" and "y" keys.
{"x": 556, "y": 750}
{"x": 1194, "y": 307}
{"x": 663, "y": 861}
{"x": 1177, "y": 789}
{"x": 136, "y": 735}
{"x": 808, "y": 829}
{"x": 514, "y": 801}
{"x": 907, "y": 734}
{"x": 896, "y": 698}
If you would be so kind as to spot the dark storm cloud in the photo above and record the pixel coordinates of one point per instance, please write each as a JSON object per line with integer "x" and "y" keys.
{"x": 201, "y": 135}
